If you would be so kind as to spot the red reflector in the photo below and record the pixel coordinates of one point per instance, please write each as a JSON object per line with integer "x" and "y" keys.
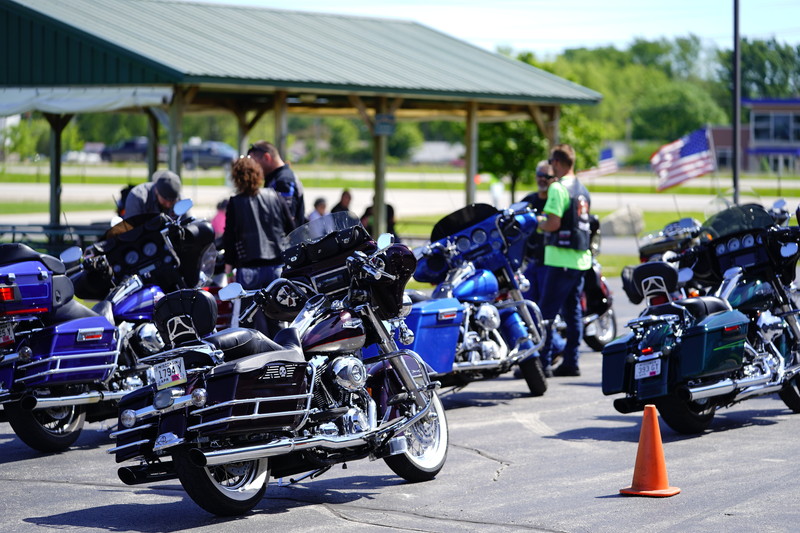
{"x": 26, "y": 311}
{"x": 6, "y": 294}
{"x": 658, "y": 300}
{"x": 448, "y": 316}
{"x": 647, "y": 351}
{"x": 93, "y": 337}
{"x": 730, "y": 329}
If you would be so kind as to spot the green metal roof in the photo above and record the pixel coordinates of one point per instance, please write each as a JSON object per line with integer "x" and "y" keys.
{"x": 89, "y": 42}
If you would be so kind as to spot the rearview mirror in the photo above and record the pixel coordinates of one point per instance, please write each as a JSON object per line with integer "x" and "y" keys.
{"x": 71, "y": 255}
{"x": 385, "y": 241}
{"x": 231, "y": 291}
{"x": 182, "y": 207}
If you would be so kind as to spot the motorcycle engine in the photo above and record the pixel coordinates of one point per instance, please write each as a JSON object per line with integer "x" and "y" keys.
{"x": 145, "y": 340}
{"x": 340, "y": 391}
{"x": 479, "y": 349}
{"x": 488, "y": 317}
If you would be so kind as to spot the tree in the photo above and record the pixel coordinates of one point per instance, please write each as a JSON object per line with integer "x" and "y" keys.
{"x": 666, "y": 112}
{"x": 768, "y": 69}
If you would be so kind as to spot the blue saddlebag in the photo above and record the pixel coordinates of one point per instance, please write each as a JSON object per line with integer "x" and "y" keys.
{"x": 436, "y": 324}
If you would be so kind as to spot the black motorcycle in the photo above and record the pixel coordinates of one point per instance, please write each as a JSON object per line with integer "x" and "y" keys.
{"x": 225, "y": 413}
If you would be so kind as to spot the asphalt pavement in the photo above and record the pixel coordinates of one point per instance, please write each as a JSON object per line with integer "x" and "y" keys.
{"x": 515, "y": 463}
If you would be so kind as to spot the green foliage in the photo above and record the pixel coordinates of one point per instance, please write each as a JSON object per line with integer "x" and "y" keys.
{"x": 29, "y": 138}
{"x": 673, "y": 109}
{"x": 769, "y": 69}
{"x": 405, "y": 138}
{"x": 641, "y": 152}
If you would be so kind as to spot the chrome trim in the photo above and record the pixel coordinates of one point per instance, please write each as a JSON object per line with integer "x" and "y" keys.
{"x": 67, "y": 370}
{"x": 77, "y": 399}
{"x": 126, "y": 446}
{"x": 223, "y": 405}
{"x": 216, "y": 355}
{"x": 286, "y": 445}
{"x": 150, "y": 411}
{"x": 58, "y": 358}
{"x": 115, "y": 434}
{"x": 240, "y": 418}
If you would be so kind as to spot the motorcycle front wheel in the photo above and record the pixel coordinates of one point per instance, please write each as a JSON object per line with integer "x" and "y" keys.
{"x": 224, "y": 490}
{"x": 533, "y": 372}
{"x": 47, "y": 430}
{"x": 427, "y": 446}
{"x": 603, "y": 332}
{"x": 686, "y": 416}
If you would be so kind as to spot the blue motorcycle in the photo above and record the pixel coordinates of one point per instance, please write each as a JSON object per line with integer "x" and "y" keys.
{"x": 477, "y": 324}
{"x": 62, "y": 363}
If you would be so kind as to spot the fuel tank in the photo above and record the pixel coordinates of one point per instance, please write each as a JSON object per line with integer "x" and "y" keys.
{"x": 335, "y": 331}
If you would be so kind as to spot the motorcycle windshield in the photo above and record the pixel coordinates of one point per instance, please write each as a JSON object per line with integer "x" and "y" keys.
{"x": 462, "y": 219}
{"x": 316, "y": 229}
{"x": 736, "y": 219}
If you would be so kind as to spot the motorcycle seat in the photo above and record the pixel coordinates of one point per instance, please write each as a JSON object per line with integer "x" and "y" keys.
{"x": 702, "y": 306}
{"x": 16, "y": 252}
{"x": 73, "y": 310}
{"x": 237, "y": 343}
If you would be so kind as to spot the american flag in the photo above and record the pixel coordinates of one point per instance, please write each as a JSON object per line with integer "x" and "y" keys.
{"x": 608, "y": 165}
{"x": 688, "y": 157}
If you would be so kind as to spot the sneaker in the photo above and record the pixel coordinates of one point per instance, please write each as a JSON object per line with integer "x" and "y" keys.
{"x": 567, "y": 371}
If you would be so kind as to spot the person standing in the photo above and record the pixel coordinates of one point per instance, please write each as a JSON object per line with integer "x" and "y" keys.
{"x": 156, "y": 196}
{"x": 344, "y": 202}
{"x": 257, "y": 221}
{"x": 280, "y": 177}
{"x": 534, "y": 249}
{"x": 565, "y": 220}
{"x": 319, "y": 209}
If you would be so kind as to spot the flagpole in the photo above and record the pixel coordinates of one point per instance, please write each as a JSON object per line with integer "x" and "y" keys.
{"x": 737, "y": 97}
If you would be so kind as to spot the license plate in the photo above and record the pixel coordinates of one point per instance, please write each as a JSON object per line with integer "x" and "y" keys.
{"x": 7, "y": 333}
{"x": 169, "y": 373}
{"x": 647, "y": 369}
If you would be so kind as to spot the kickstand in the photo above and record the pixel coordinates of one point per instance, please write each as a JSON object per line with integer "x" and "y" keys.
{"x": 313, "y": 475}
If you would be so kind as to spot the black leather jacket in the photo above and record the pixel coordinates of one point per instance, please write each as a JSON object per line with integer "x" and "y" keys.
{"x": 256, "y": 229}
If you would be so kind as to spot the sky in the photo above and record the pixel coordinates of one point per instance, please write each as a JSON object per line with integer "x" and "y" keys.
{"x": 548, "y": 27}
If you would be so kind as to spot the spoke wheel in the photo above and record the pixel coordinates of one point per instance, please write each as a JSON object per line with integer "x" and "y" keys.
{"x": 605, "y": 331}
{"x": 427, "y": 446}
{"x": 225, "y": 490}
{"x": 47, "y": 430}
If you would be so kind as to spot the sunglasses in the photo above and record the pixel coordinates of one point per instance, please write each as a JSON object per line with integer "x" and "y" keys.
{"x": 546, "y": 176}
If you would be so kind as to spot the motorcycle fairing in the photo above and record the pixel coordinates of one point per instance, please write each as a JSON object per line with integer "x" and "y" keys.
{"x": 138, "y": 305}
{"x": 480, "y": 286}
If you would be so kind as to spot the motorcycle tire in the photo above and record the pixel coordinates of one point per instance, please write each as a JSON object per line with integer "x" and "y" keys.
{"x": 686, "y": 417}
{"x": 47, "y": 430}
{"x": 790, "y": 394}
{"x": 427, "y": 446}
{"x": 606, "y": 328}
{"x": 533, "y": 372}
{"x": 230, "y": 489}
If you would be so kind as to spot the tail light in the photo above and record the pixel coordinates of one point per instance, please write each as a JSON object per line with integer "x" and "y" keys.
{"x": 658, "y": 300}
{"x": 6, "y": 294}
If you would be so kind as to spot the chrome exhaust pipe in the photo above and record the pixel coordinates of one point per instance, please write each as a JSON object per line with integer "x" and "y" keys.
{"x": 31, "y": 402}
{"x": 726, "y": 386}
{"x": 278, "y": 447}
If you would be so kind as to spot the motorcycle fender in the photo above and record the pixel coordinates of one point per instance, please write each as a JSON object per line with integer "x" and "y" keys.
{"x": 383, "y": 382}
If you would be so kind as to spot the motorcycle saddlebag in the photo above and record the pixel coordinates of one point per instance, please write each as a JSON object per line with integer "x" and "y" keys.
{"x": 27, "y": 289}
{"x": 436, "y": 324}
{"x": 715, "y": 345}
{"x": 83, "y": 350}
{"x": 615, "y": 354}
{"x": 262, "y": 392}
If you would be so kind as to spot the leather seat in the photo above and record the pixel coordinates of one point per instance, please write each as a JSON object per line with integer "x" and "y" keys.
{"x": 237, "y": 343}
{"x": 702, "y": 306}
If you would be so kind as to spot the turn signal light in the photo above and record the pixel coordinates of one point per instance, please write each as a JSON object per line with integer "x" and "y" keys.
{"x": 647, "y": 351}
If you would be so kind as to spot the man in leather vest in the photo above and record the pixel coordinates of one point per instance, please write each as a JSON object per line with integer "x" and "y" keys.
{"x": 565, "y": 220}
{"x": 280, "y": 177}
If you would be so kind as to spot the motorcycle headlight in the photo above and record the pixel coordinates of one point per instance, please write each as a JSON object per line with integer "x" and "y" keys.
{"x": 405, "y": 307}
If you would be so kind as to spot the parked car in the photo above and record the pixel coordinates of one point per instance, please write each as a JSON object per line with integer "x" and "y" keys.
{"x": 131, "y": 150}
{"x": 208, "y": 154}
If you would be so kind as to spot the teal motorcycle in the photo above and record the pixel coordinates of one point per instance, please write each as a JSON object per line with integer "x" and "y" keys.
{"x": 692, "y": 356}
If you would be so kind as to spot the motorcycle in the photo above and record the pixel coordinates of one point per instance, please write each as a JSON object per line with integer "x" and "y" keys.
{"x": 231, "y": 410}
{"x": 692, "y": 356}
{"x": 63, "y": 363}
{"x": 477, "y": 324}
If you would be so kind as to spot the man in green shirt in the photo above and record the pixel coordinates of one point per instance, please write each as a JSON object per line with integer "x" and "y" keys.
{"x": 566, "y": 256}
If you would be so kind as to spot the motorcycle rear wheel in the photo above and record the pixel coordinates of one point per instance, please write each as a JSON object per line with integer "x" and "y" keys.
{"x": 47, "y": 430}
{"x": 230, "y": 489}
{"x": 427, "y": 446}
{"x": 790, "y": 394}
{"x": 533, "y": 372}
{"x": 606, "y": 327}
{"x": 685, "y": 416}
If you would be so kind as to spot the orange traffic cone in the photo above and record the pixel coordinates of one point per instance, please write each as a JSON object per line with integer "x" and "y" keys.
{"x": 650, "y": 472}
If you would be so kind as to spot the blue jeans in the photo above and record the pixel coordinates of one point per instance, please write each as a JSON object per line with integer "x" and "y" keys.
{"x": 259, "y": 278}
{"x": 561, "y": 294}
{"x": 536, "y": 272}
